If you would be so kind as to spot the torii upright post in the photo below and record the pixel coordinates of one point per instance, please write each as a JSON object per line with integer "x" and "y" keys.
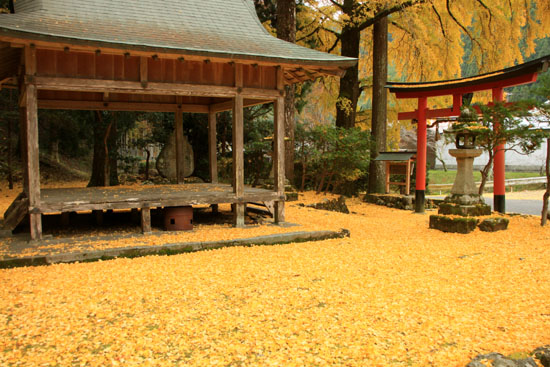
{"x": 421, "y": 141}
{"x": 499, "y": 186}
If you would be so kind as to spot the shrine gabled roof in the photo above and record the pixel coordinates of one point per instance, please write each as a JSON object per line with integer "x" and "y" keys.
{"x": 395, "y": 156}
{"x": 228, "y": 29}
{"x": 515, "y": 75}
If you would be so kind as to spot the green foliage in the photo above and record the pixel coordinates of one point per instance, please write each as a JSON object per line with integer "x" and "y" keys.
{"x": 512, "y": 124}
{"x": 516, "y": 127}
{"x": 332, "y": 158}
{"x": 257, "y": 148}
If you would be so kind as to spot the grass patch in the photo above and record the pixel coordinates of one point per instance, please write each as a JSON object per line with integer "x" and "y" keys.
{"x": 441, "y": 177}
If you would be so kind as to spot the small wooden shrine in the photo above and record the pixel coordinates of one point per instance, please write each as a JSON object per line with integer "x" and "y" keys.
{"x": 398, "y": 163}
{"x": 159, "y": 55}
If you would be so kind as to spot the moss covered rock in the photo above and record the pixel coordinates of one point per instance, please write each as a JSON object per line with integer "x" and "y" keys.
{"x": 494, "y": 224}
{"x": 453, "y": 224}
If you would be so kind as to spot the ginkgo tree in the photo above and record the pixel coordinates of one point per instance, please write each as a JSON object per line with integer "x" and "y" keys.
{"x": 427, "y": 38}
{"x": 427, "y": 41}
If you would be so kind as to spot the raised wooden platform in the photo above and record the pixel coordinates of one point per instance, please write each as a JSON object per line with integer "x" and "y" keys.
{"x": 140, "y": 197}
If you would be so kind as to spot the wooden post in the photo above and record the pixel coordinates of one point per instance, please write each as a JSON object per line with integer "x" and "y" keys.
{"x": 212, "y": 150}
{"x": 212, "y": 153}
{"x": 65, "y": 219}
{"x": 421, "y": 152}
{"x": 387, "y": 190}
{"x": 146, "y": 220}
{"x": 178, "y": 128}
{"x": 10, "y": 154}
{"x": 238, "y": 148}
{"x": 499, "y": 188}
{"x": 408, "y": 178}
{"x": 279, "y": 149}
{"x": 32, "y": 169}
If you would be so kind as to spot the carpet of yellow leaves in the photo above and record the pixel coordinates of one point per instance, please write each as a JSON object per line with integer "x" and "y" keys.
{"x": 393, "y": 294}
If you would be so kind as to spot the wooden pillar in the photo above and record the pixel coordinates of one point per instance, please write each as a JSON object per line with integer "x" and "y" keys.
{"x": 212, "y": 153}
{"x": 421, "y": 152}
{"x": 178, "y": 128}
{"x": 279, "y": 149}
{"x": 146, "y": 220}
{"x": 238, "y": 149}
{"x": 30, "y": 127}
{"x": 387, "y": 175}
{"x": 279, "y": 159}
{"x": 408, "y": 178}
{"x": 499, "y": 188}
{"x": 212, "y": 150}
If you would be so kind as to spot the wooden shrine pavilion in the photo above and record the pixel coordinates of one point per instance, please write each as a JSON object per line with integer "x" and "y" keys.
{"x": 161, "y": 56}
{"x": 495, "y": 81}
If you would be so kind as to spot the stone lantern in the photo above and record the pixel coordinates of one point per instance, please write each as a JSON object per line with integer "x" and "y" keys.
{"x": 464, "y": 191}
{"x": 464, "y": 199}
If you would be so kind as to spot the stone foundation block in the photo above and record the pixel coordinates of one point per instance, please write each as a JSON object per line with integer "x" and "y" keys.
{"x": 464, "y": 210}
{"x": 494, "y": 224}
{"x": 454, "y": 225}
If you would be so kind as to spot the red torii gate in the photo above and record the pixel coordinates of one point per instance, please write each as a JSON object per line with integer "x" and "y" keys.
{"x": 496, "y": 81}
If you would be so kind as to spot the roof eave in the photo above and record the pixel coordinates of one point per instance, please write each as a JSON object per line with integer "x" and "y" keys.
{"x": 344, "y": 63}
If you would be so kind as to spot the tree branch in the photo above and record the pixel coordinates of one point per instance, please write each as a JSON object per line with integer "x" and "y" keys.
{"x": 309, "y": 34}
{"x": 460, "y": 24}
{"x": 384, "y": 13}
{"x": 440, "y": 21}
{"x": 340, "y": 6}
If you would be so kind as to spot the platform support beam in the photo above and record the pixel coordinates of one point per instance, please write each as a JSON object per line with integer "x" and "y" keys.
{"x": 212, "y": 152}
{"x": 29, "y": 119}
{"x": 279, "y": 159}
{"x": 238, "y": 149}
{"x": 146, "y": 220}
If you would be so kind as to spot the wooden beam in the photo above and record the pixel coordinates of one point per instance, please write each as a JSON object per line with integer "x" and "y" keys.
{"x": 279, "y": 158}
{"x": 31, "y": 145}
{"x": 60, "y": 46}
{"x": 280, "y": 80}
{"x": 430, "y": 114}
{"x": 178, "y": 89}
{"x": 238, "y": 159}
{"x": 228, "y": 105}
{"x": 178, "y": 128}
{"x": 143, "y": 71}
{"x": 212, "y": 147}
{"x": 119, "y": 106}
{"x": 239, "y": 75}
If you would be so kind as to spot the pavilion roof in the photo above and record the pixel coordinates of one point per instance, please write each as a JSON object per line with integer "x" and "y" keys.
{"x": 228, "y": 29}
{"x": 518, "y": 74}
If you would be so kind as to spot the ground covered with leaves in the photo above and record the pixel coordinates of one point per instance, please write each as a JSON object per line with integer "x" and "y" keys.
{"x": 393, "y": 294}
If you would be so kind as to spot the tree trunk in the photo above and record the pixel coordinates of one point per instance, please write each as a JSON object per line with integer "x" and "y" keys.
{"x": 544, "y": 215}
{"x": 346, "y": 106}
{"x": 100, "y": 165}
{"x": 377, "y": 178}
{"x": 286, "y": 30}
{"x": 485, "y": 173}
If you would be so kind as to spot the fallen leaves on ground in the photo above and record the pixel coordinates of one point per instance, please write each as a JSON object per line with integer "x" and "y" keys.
{"x": 393, "y": 294}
